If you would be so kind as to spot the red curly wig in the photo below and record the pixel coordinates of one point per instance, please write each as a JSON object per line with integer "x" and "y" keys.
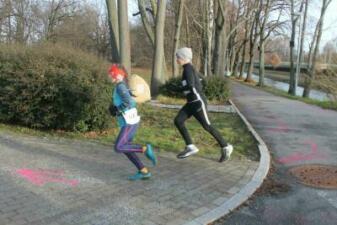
{"x": 117, "y": 69}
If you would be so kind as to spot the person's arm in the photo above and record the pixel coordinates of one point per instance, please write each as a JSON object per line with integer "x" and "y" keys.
{"x": 124, "y": 93}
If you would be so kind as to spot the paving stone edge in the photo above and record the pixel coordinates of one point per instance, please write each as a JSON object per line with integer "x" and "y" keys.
{"x": 249, "y": 189}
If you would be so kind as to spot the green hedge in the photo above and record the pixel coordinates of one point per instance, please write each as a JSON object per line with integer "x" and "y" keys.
{"x": 215, "y": 88}
{"x": 53, "y": 87}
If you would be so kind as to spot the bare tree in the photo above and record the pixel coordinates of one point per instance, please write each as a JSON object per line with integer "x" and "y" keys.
{"x": 220, "y": 40}
{"x": 234, "y": 45}
{"x": 252, "y": 40}
{"x": 114, "y": 29}
{"x": 294, "y": 18}
{"x": 148, "y": 22}
{"x": 247, "y": 9}
{"x": 179, "y": 20}
{"x": 319, "y": 31}
{"x": 208, "y": 29}
{"x": 124, "y": 35}
{"x": 266, "y": 28}
{"x": 158, "y": 78}
{"x": 59, "y": 10}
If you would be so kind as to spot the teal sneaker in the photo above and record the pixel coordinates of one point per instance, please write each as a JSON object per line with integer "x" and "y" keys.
{"x": 140, "y": 176}
{"x": 150, "y": 154}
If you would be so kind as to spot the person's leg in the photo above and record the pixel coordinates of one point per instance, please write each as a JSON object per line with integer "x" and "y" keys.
{"x": 147, "y": 150}
{"x": 135, "y": 160}
{"x": 202, "y": 116}
{"x": 123, "y": 145}
{"x": 210, "y": 129}
{"x": 182, "y": 116}
{"x": 179, "y": 122}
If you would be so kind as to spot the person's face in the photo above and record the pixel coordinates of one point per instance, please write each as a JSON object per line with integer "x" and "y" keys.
{"x": 117, "y": 79}
{"x": 181, "y": 61}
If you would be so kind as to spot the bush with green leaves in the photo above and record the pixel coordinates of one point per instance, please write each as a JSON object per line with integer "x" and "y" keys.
{"x": 215, "y": 88}
{"x": 53, "y": 87}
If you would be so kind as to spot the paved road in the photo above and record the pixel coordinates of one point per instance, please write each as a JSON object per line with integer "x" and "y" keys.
{"x": 296, "y": 134}
{"x": 48, "y": 181}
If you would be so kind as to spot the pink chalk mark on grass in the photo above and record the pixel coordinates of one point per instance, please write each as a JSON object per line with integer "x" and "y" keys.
{"x": 40, "y": 177}
{"x": 298, "y": 156}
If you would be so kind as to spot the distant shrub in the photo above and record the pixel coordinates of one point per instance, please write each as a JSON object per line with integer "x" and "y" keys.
{"x": 215, "y": 88}
{"x": 273, "y": 59}
{"x": 53, "y": 87}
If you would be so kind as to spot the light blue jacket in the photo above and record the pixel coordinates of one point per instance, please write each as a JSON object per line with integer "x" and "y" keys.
{"x": 122, "y": 99}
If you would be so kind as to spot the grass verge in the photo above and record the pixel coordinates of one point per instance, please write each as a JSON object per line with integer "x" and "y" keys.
{"x": 157, "y": 128}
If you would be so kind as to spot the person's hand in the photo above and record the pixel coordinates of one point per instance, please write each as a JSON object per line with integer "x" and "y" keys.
{"x": 113, "y": 110}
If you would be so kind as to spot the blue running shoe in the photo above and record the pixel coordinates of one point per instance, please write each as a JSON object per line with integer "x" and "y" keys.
{"x": 150, "y": 154}
{"x": 140, "y": 176}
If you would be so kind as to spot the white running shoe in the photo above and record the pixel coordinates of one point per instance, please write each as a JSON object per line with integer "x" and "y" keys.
{"x": 226, "y": 153}
{"x": 189, "y": 150}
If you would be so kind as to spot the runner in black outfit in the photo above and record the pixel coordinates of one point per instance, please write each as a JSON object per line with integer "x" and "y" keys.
{"x": 196, "y": 106}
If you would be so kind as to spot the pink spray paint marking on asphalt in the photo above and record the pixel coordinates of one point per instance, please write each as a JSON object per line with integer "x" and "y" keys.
{"x": 280, "y": 127}
{"x": 296, "y": 157}
{"x": 40, "y": 177}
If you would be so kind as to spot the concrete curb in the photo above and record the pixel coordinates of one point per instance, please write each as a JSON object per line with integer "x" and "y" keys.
{"x": 248, "y": 190}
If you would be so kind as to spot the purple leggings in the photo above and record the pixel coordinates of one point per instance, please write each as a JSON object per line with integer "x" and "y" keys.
{"x": 123, "y": 144}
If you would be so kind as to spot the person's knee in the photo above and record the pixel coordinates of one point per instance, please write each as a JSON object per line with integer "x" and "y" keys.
{"x": 178, "y": 122}
{"x": 117, "y": 148}
{"x": 207, "y": 127}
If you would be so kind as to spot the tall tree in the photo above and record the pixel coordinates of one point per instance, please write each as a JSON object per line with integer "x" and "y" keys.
{"x": 312, "y": 68}
{"x": 294, "y": 18}
{"x": 247, "y": 14}
{"x": 59, "y": 10}
{"x": 304, "y": 24}
{"x": 220, "y": 40}
{"x": 179, "y": 20}
{"x": 124, "y": 35}
{"x": 266, "y": 28}
{"x": 148, "y": 21}
{"x": 114, "y": 29}
{"x": 254, "y": 33}
{"x": 208, "y": 15}
{"x": 158, "y": 77}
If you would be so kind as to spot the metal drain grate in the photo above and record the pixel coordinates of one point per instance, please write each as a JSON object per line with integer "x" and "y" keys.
{"x": 320, "y": 176}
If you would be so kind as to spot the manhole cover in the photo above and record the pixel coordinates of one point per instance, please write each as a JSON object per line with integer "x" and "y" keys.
{"x": 320, "y": 176}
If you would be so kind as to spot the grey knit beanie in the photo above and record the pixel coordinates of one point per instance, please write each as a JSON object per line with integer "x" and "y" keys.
{"x": 185, "y": 53}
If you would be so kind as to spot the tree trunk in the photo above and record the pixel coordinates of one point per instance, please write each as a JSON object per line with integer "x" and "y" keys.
{"x": 158, "y": 77}
{"x": 179, "y": 21}
{"x": 261, "y": 62}
{"x": 311, "y": 72}
{"x": 302, "y": 37}
{"x": 124, "y": 35}
{"x": 220, "y": 42}
{"x": 292, "y": 82}
{"x": 250, "y": 65}
{"x": 147, "y": 24}
{"x": 243, "y": 60}
{"x": 236, "y": 63}
{"x": 266, "y": 7}
{"x": 187, "y": 31}
{"x": 252, "y": 45}
{"x": 209, "y": 37}
{"x": 114, "y": 29}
